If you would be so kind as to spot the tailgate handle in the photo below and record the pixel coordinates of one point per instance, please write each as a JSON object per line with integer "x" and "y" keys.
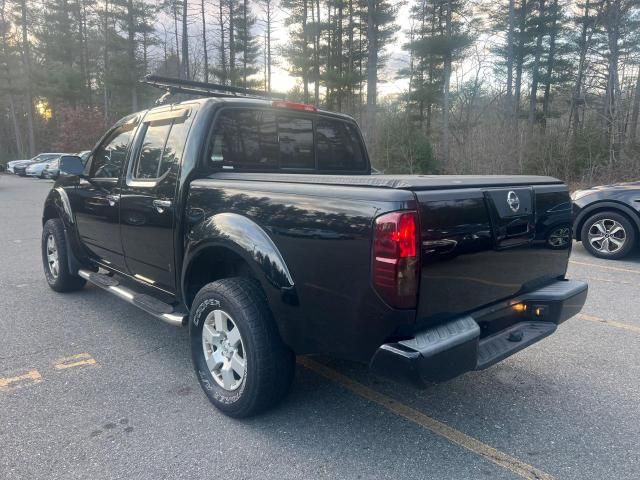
{"x": 162, "y": 205}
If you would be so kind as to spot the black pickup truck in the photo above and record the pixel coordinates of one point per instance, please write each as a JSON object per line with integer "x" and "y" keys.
{"x": 258, "y": 223}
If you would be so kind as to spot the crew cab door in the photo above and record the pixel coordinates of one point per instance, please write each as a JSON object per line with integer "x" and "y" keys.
{"x": 147, "y": 202}
{"x": 95, "y": 201}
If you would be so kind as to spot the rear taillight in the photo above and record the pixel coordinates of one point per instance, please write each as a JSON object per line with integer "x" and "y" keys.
{"x": 396, "y": 264}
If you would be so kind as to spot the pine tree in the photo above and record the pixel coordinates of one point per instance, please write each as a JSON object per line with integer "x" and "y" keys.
{"x": 247, "y": 46}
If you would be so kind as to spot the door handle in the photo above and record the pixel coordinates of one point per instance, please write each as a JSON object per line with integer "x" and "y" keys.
{"x": 112, "y": 199}
{"x": 162, "y": 205}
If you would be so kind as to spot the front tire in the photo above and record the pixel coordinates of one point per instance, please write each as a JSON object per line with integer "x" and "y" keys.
{"x": 240, "y": 360}
{"x": 608, "y": 235}
{"x": 55, "y": 259}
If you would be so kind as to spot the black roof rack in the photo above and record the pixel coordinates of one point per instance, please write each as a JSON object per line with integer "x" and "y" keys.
{"x": 193, "y": 87}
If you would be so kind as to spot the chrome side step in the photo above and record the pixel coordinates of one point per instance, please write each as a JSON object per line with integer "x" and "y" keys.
{"x": 160, "y": 310}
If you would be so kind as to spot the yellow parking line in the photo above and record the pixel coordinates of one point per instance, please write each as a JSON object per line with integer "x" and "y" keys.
{"x": 451, "y": 434}
{"x": 607, "y": 267}
{"x": 79, "y": 360}
{"x": 17, "y": 381}
{"x": 612, "y": 323}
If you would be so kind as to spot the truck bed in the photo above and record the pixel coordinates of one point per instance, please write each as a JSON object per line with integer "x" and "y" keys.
{"x": 401, "y": 182}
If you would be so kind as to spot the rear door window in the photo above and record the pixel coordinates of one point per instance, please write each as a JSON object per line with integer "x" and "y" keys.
{"x": 246, "y": 138}
{"x": 161, "y": 148}
{"x": 149, "y": 160}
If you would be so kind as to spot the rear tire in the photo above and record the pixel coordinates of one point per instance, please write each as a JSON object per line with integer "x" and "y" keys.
{"x": 240, "y": 360}
{"x": 55, "y": 259}
{"x": 608, "y": 235}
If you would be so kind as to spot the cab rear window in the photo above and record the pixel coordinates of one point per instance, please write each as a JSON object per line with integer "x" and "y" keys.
{"x": 264, "y": 140}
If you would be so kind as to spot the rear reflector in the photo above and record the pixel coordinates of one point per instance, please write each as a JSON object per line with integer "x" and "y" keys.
{"x": 396, "y": 258}
{"x": 303, "y": 107}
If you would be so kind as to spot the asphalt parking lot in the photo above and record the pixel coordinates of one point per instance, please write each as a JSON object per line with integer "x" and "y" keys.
{"x": 91, "y": 387}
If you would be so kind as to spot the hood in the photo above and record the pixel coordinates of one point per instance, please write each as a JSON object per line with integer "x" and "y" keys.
{"x": 614, "y": 187}
{"x": 15, "y": 163}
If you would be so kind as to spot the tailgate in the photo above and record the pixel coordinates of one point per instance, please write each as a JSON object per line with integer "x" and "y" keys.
{"x": 482, "y": 245}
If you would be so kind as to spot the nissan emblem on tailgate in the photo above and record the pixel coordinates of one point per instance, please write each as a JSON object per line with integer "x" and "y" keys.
{"x": 513, "y": 201}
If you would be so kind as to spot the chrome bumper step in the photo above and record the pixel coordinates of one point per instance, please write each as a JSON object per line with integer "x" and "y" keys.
{"x": 159, "y": 309}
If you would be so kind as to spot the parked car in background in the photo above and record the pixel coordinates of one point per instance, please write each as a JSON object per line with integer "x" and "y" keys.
{"x": 11, "y": 166}
{"x": 37, "y": 169}
{"x": 606, "y": 219}
{"x": 52, "y": 170}
{"x": 19, "y": 167}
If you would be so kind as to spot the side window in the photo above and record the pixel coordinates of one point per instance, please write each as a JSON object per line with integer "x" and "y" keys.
{"x": 338, "y": 146}
{"x": 160, "y": 150}
{"x": 245, "y": 138}
{"x": 296, "y": 142}
{"x": 109, "y": 157}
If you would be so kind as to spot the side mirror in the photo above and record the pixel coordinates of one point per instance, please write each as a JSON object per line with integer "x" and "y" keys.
{"x": 71, "y": 165}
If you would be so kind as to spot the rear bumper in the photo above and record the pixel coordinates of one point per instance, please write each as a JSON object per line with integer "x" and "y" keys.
{"x": 445, "y": 351}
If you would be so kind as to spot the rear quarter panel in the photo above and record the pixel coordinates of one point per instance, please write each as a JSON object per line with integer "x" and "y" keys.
{"x": 323, "y": 234}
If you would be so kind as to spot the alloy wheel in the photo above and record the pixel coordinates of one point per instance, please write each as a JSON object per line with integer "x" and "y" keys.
{"x": 607, "y": 236}
{"x": 559, "y": 237}
{"x": 224, "y": 350}
{"x": 52, "y": 256}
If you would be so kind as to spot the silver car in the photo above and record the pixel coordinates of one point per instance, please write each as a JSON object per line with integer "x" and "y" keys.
{"x": 37, "y": 169}
{"x": 21, "y": 165}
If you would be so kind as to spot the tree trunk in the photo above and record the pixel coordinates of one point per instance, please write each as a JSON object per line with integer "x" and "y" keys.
{"x": 633, "y": 125}
{"x": 26, "y": 51}
{"x": 245, "y": 41}
{"x": 223, "y": 53}
{"x": 12, "y": 108}
{"x": 105, "y": 74}
{"x": 330, "y": 31}
{"x": 185, "y": 42}
{"x": 305, "y": 52}
{"x": 232, "y": 44}
{"x": 520, "y": 58}
{"x": 131, "y": 54}
{"x": 204, "y": 42}
{"x": 574, "y": 118}
{"x": 614, "y": 135}
{"x": 81, "y": 15}
{"x": 85, "y": 53}
{"x": 535, "y": 74}
{"x": 316, "y": 60}
{"x": 550, "y": 61}
{"x": 350, "y": 65}
{"x": 445, "y": 96}
{"x": 372, "y": 71}
{"x": 340, "y": 65}
{"x": 268, "y": 45}
{"x": 175, "y": 29}
{"x": 510, "y": 50}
